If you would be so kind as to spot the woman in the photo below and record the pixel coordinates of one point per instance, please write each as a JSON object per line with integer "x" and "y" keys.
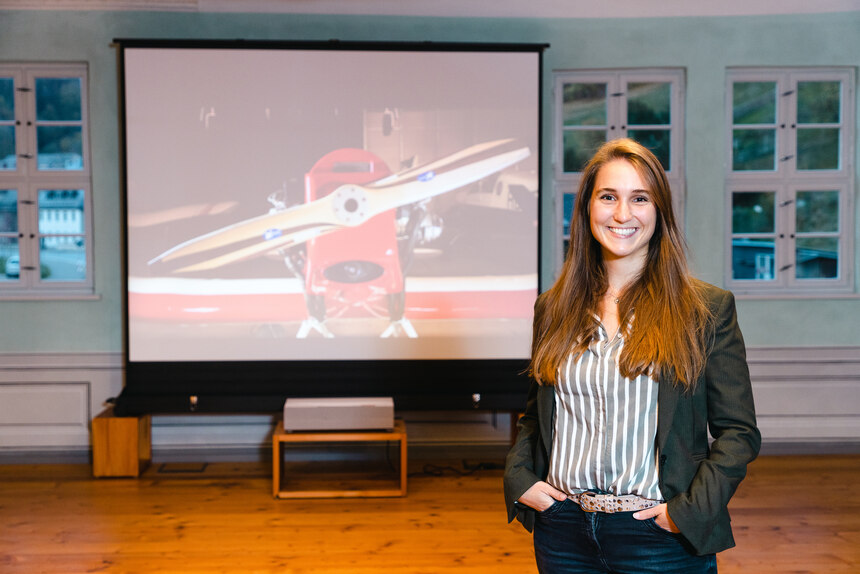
{"x": 633, "y": 362}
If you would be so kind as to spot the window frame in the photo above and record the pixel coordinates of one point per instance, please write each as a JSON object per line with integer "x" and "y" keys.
{"x": 786, "y": 180}
{"x": 27, "y": 179}
{"x": 617, "y": 81}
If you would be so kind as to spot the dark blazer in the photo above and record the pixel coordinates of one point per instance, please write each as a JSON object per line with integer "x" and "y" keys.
{"x": 696, "y": 479}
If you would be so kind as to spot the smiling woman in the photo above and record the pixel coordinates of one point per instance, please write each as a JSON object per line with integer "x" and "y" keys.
{"x": 608, "y": 456}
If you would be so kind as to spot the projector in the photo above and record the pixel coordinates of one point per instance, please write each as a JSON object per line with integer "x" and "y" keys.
{"x": 347, "y": 413}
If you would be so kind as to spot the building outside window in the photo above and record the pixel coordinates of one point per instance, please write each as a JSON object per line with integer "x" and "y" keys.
{"x": 45, "y": 213}
{"x": 595, "y": 106}
{"x": 790, "y": 180}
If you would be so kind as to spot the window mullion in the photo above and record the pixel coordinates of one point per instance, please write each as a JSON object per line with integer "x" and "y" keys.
{"x": 30, "y": 156}
{"x": 786, "y": 240}
{"x": 616, "y": 107}
{"x": 788, "y": 126}
{"x": 28, "y": 231}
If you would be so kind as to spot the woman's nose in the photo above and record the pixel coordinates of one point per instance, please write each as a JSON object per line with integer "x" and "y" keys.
{"x": 622, "y": 211}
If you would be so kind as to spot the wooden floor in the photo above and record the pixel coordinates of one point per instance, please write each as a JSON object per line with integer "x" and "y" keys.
{"x": 792, "y": 515}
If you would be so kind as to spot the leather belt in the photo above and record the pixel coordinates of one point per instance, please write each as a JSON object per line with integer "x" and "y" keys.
{"x": 609, "y": 503}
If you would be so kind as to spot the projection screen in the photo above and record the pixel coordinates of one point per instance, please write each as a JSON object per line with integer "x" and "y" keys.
{"x": 329, "y": 202}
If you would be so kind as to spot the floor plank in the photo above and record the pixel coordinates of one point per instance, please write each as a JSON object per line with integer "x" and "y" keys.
{"x": 794, "y": 514}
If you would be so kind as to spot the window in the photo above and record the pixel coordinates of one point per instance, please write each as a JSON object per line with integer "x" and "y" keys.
{"x": 45, "y": 222}
{"x": 789, "y": 182}
{"x": 592, "y": 107}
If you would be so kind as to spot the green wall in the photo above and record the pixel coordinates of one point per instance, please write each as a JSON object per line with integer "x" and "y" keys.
{"x": 705, "y": 47}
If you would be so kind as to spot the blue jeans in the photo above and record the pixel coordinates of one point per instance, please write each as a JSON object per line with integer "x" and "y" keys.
{"x": 569, "y": 540}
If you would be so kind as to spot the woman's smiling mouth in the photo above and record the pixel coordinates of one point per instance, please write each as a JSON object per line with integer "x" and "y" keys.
{"x": 623, "y": 231}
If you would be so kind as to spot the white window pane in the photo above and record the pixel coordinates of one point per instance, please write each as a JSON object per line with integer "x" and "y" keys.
{"x": 8, "y": 159}
{"x": 60, "y": 148}
{"x": 754, "y": 150}
{"x": 568, "y": 200}
{"x": 579, "y": 146}
{"x": 817, "y": 148}
{"x": 753, "y": 212}
{"x": 659, "y": 141}
{"x": 9, "y": 259}
{"x": 584, "y": 104}
{"x": 8, "y": 211}
{"x": 817, "y": 257}
{"x": 817, "y": 211}
{"x": 753, "y": 259}
{"x": 62, "y": 258}
{"x": 7, "y": 99}
{"x": 818, "y": 102}
{"x": 61, "y": 211}
{"x": 754, "y": 102}
{"x": 58, "y": 99}
{"x": 649, "y": 103}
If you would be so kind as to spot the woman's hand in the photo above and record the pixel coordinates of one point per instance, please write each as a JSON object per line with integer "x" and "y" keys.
{"x": 541, "y": 496}
{"x": 660, "y": 514}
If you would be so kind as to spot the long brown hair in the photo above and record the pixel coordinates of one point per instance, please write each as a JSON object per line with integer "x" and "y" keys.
{"x": 667, "y": 336}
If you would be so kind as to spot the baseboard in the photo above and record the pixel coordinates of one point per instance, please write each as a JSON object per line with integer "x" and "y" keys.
{"x": 787, "y": 448}
{"x": 46, "y": 456}
{"x": 485, "y": 455}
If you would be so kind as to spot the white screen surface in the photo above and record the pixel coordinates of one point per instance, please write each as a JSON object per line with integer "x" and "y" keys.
{"x": 330, "y": 204}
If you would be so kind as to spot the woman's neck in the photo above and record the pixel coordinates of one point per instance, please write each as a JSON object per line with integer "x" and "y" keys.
{"x": 620, "y": 273}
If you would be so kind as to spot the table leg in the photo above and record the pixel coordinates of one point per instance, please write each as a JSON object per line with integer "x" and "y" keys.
{"x": 276, "y": 467}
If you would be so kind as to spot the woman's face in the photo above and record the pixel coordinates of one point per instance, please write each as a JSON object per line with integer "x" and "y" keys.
{"x": 623, "y": 216}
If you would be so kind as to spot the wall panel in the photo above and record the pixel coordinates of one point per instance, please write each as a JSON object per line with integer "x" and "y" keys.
{"x": 803, "y": 395}
{"x": 48, "y": 400}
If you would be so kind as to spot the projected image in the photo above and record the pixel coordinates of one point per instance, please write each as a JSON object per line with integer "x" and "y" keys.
{"x": 281, "y": 206}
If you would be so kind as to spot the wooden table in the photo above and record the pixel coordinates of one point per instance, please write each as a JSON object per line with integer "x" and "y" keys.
{"x": 348, "y": 487}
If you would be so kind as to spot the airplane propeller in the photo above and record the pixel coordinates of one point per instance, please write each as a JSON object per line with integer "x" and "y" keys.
{"x": 349, "y": 205}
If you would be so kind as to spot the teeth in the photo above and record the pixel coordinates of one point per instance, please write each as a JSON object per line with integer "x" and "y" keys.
{"x": 625, "y": 231}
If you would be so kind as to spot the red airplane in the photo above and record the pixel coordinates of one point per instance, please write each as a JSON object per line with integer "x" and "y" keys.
{"x": 347, "y": 227}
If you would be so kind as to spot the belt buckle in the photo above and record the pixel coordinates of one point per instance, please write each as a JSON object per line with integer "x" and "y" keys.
{"x": 590, "y": 495}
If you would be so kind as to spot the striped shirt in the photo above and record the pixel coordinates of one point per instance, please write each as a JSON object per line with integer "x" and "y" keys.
{"x": 605, "y": 426}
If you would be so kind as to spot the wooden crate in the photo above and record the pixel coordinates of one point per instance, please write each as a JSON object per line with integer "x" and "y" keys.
{"x": 122, "y": 446}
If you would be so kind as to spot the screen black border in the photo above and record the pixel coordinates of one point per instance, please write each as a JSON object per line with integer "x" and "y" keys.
{"x": 261, "y": 386}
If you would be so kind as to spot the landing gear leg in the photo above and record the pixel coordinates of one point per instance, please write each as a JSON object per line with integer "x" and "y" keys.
{"x": 399, "y": 324}
{"x": 316, "y": 321}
